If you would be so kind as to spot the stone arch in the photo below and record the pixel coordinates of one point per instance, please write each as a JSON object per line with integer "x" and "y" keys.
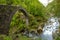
{"x": 6, "y": 14}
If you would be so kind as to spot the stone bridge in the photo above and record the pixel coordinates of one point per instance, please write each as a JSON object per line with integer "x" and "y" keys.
{"x": 6, "y": 14}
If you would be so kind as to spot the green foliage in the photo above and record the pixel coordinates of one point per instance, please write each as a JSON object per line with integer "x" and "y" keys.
{"x": 37, "y": 14}
{"x": 37, "y": 11}
{"x": 54, "y": 8}
{"x": 2, "y": 1}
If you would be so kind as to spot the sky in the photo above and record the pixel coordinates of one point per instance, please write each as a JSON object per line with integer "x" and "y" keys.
{"x": 45, "y": 2}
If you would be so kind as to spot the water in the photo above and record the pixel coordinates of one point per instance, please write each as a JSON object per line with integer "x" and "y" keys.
{"x": 50, "y": 27}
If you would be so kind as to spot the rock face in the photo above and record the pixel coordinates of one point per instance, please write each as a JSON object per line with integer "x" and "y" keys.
{"x": 6, "y": 14}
